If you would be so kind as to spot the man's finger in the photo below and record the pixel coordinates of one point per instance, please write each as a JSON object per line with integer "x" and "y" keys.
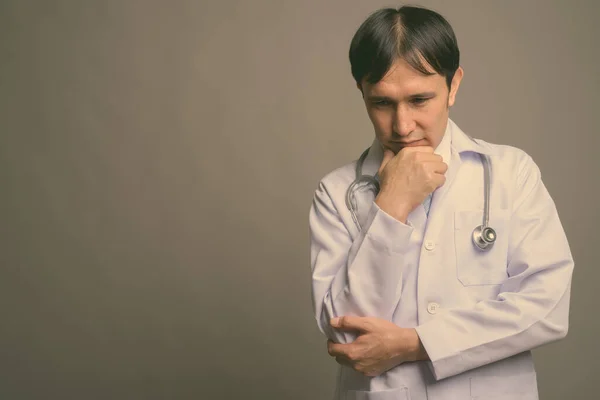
{"x": 331, "y": 347}
{"x": 387, "y": 156}
{"x": 343, "y": 361}
{"x": 421, "y": 149}
{"x": 352, "y": 323}
{"x": 439, "y": 167}
{"x": 337, "y": 349}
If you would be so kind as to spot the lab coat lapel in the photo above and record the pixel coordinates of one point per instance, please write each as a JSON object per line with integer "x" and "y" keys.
{"x": 435, "y": 220}
{"x": 460, "y": 143}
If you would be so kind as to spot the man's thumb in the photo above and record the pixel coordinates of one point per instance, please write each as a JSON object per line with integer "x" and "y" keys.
{"x": 387, "y": 156}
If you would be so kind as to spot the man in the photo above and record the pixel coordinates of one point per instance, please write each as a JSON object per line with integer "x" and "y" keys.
{"x": 412, "y": 307}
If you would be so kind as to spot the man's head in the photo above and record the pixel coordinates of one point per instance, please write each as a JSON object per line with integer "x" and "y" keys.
{"x": 406, "y": 64}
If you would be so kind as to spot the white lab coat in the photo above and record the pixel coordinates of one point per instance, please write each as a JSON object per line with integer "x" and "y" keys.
{"x": 478, "y": 314}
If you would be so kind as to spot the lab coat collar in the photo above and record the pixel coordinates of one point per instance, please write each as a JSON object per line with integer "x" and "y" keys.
{"x": 459, "y": 141}
{"x": 462, "y": 143}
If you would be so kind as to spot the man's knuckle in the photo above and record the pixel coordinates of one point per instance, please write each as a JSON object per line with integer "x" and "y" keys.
{"x": 352, "y": 355}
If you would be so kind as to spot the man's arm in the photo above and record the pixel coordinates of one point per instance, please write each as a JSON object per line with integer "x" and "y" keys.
{"x": 382, "y": 345}
{"x": 362, "y": 277}
{"x": 531, "y": 310}
{"x": 356, "y": 278}
{"x": 532, "y": 307}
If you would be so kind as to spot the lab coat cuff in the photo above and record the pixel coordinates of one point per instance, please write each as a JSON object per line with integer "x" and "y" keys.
{"x": 443, "y": 360}
{"x": 387, "y": 232}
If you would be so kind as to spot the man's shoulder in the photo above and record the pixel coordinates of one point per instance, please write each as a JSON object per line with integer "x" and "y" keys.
{"x": 507, "y": 155}
{"x": 340, "y": 176}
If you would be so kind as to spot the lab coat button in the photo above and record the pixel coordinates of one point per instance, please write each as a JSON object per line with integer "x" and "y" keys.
{"x": 429, "y": 245}
{"x": 432, "y": 308}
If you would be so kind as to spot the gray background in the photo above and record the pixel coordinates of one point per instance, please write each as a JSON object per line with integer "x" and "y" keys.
{"x": 158, "y": 160}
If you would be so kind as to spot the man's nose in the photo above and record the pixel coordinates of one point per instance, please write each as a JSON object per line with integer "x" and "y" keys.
{"x": 404, "y": 123}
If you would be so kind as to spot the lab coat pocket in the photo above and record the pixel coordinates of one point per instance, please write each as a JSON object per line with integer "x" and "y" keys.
{"x": 392, "y": 394}
{"x": 475, "y": 266}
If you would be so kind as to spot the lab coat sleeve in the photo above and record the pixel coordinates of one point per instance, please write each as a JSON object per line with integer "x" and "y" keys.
{"x": 532, "y": 307}
{"x": 360, "y": 277}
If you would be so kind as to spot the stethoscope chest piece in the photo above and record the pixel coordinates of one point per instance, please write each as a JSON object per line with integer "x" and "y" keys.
{"x": 484, "y": 237}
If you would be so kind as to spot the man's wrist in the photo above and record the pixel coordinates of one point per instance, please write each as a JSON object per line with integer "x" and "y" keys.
{"x": 415, "y": 351}
{"x": 392, "y": 207}
{"x": 419, "y": 353}
{"x": 408, "y": 347}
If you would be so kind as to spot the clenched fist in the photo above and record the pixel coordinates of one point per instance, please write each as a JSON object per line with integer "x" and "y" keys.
{"x": 407, "y": 178}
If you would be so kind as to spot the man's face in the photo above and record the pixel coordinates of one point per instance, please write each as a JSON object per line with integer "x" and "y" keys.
{"x": 408, "y": 108}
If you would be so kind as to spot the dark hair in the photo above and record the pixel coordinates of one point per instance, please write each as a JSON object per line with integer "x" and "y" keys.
{"x": 412, "y": 33}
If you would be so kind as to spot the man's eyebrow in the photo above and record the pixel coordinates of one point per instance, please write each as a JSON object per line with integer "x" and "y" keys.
{"x": 412, "y": 96}
{"x": 380, "y": 98}
{"x": 422, "y": 95}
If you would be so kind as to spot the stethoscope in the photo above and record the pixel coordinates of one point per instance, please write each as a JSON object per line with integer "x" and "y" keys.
{"x": 483, "y": 236}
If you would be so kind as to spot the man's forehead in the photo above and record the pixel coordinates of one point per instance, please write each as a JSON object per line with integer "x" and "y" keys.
{"x": 407, "y": 86}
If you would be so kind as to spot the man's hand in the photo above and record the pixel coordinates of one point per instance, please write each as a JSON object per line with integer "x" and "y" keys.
{"x": 407, "y": 178}
{"x": 380, "y": 346}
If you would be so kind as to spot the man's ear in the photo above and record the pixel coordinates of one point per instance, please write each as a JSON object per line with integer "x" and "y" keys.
{"x": 458, "y": 75}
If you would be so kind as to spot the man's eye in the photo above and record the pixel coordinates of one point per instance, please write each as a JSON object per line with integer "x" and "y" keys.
{"x": 419, "y": 101}
{"x": 382, "y": 103}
